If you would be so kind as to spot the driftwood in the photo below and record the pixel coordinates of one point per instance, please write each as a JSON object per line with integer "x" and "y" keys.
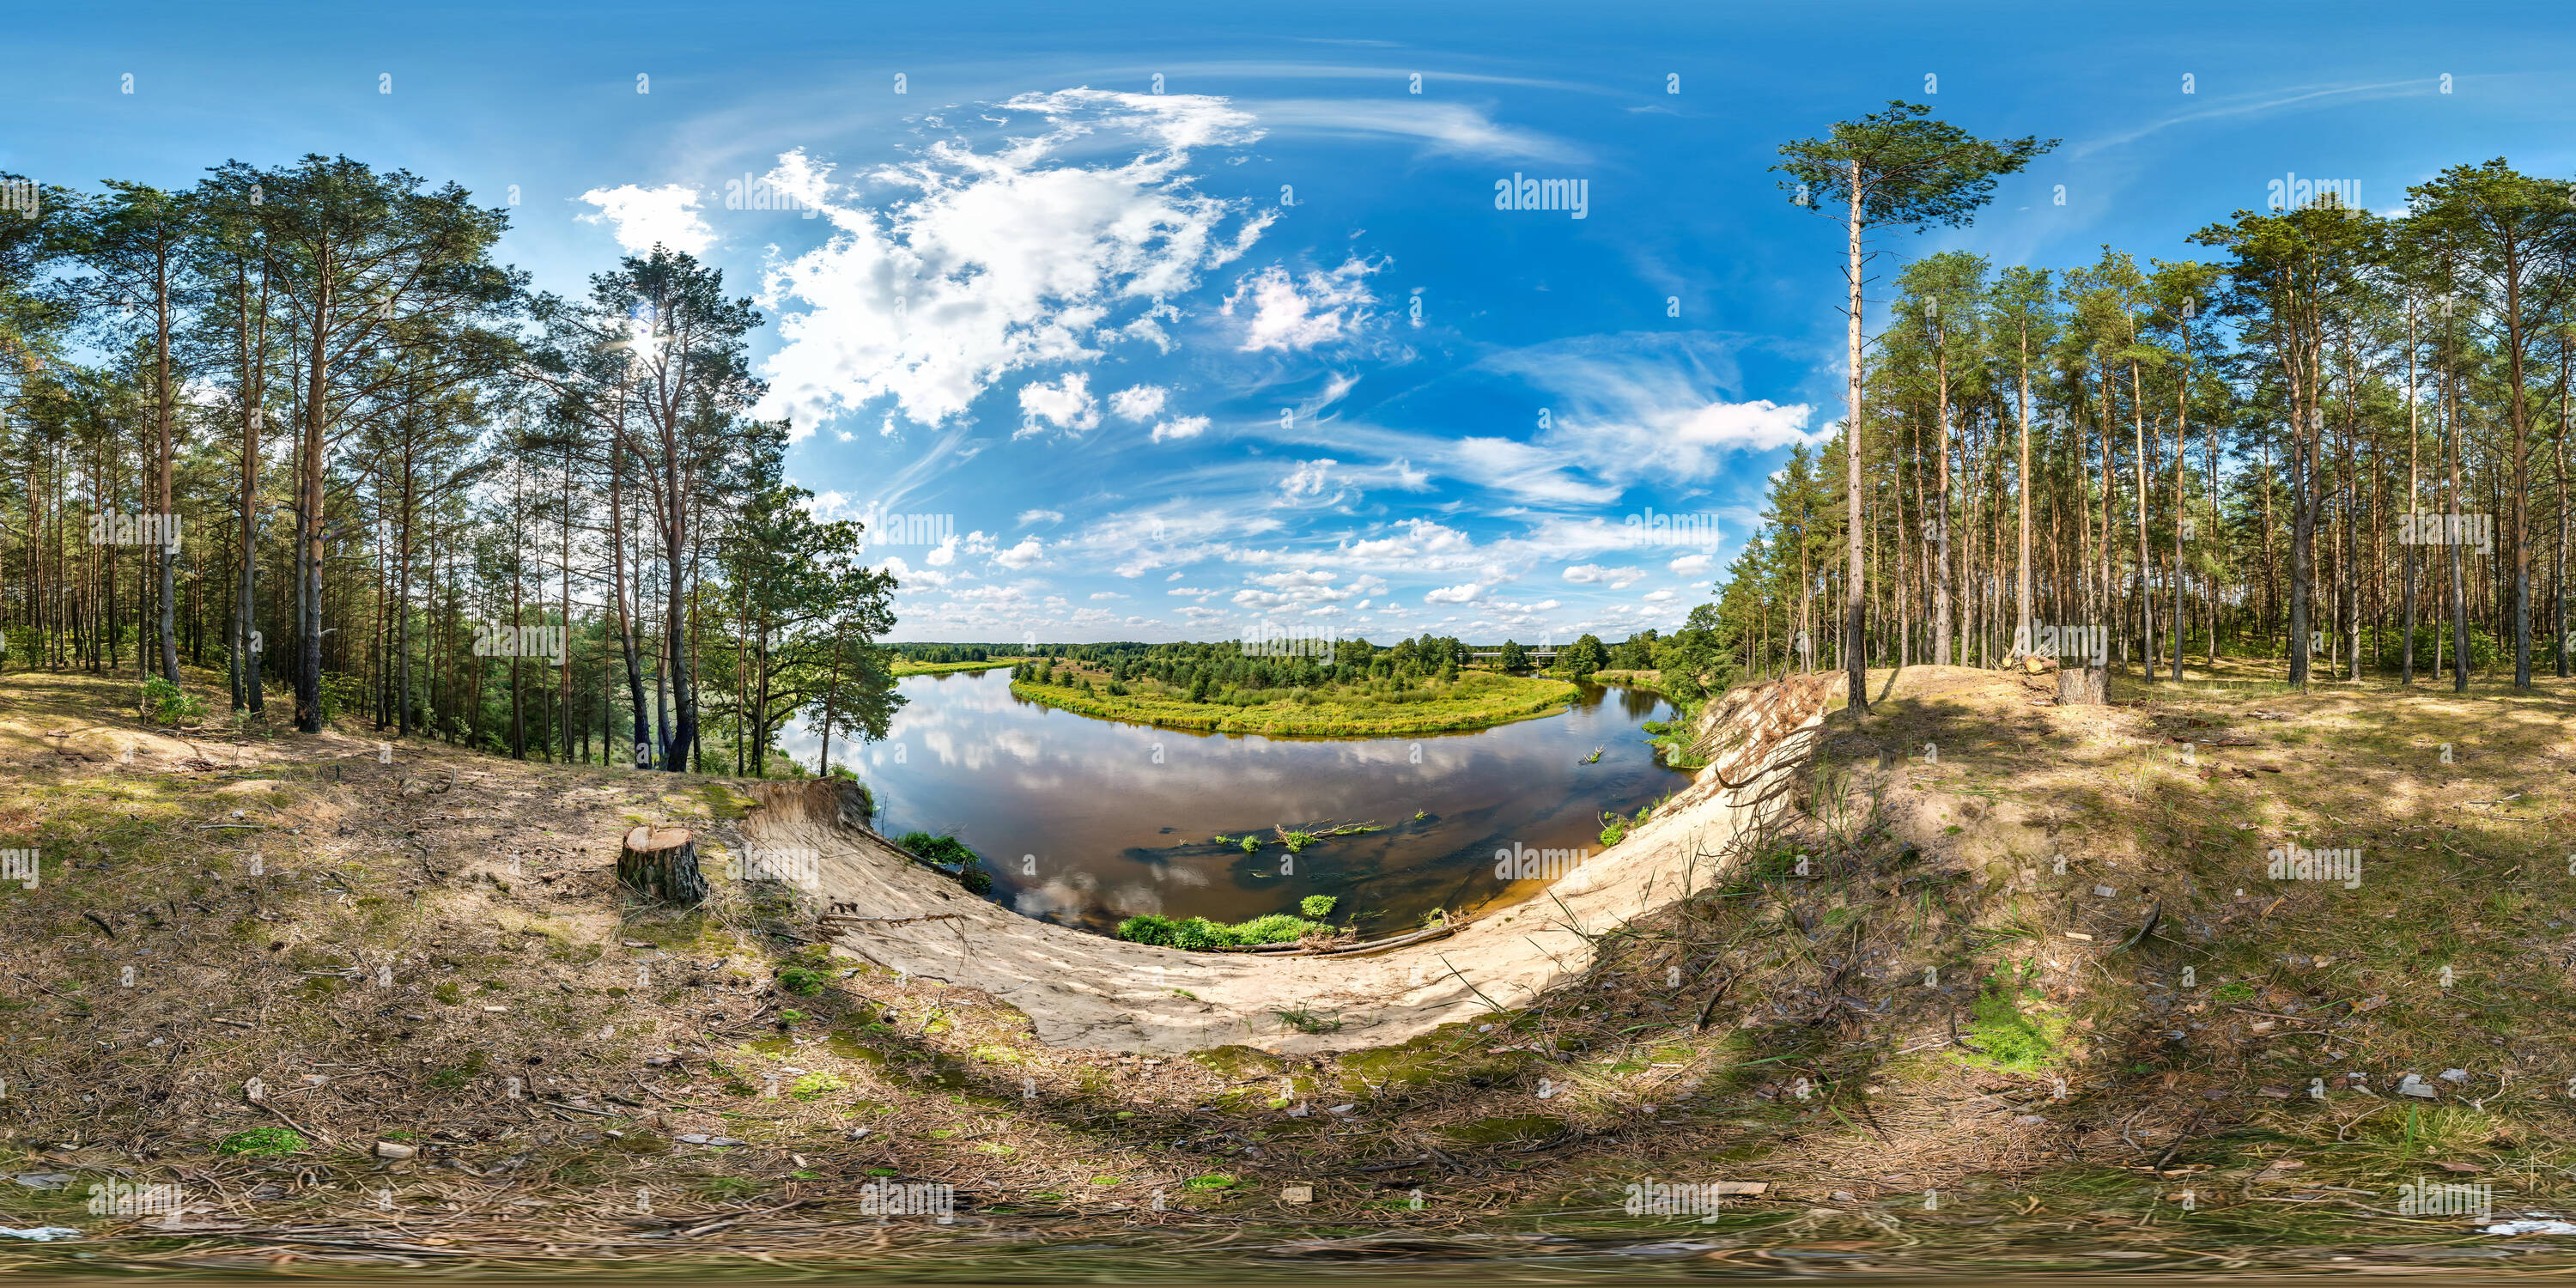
{"x": 662, "y": 863}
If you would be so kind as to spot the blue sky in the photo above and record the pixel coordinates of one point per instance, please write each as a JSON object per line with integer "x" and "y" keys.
{"x": 1259, "y": 348}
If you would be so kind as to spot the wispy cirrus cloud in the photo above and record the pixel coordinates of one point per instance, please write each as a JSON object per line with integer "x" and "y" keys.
{"x": 2255, "y": 107}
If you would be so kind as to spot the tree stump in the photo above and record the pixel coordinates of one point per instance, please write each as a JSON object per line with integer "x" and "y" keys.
{"x": 2082, "y": 686}
{"x": 662, "y": 863}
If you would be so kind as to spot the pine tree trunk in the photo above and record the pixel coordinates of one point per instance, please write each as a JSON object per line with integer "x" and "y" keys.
{"x": 1855, "y": 653}
{"x": 2081, "y": 686}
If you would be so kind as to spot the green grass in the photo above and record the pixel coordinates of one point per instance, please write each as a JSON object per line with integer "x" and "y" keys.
{"x": 902, "y": 669}
{"x": 1473, "y": 701}
{"x": 261, "y": 1141}
{"x": 2009, "y": 1032}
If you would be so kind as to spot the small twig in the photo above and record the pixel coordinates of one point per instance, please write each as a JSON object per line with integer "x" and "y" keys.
{"x": 2179, "y": 1138}
{"x": 1711, "y": 1004}
{"x": 324, "y": 1137}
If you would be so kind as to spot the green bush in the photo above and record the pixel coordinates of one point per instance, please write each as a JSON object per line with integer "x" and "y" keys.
{"x": 1200, "y": 934}
{"x": 1318, "y": 906}
{"x": 349, "y": 693}
{"x": 169, "y": 705}
{"x": 948, "y": 851}
{"x": 1275, "y": 928}
{"x": 1612, "y": 830}
{"x": 1147, "y": 929}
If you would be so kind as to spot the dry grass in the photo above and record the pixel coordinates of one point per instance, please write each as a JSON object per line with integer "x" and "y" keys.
{"x": 1681, "y": 1057}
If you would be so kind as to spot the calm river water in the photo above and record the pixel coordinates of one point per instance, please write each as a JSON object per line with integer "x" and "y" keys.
{"x": 1086, "y": 821}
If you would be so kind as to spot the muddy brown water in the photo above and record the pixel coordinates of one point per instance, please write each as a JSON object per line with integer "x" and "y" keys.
{"x": 1087, "y": 821}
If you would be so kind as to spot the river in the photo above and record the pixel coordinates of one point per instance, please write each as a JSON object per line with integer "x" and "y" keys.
{"x": 1086, "y": 821}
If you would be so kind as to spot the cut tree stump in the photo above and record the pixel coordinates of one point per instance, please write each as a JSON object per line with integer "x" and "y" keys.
{"x": 2082, "y": 686}
{"x": 662, "y": 863}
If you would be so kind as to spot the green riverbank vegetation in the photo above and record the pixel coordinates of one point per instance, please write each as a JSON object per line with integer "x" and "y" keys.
{"x": 1416, "y": 686}
{"x": 940, "y": 659}
{"x": 1201, "y": 934}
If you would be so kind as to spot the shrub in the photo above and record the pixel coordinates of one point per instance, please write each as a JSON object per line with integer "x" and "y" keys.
{"x": 1318, "y": 906}
{"x": 1147, "y": 929}
{"x": 1612, "y": 830}
{"x": 169, "y": 705}
{"x": 1200, "y": 934}
{"x": 1276, "y": 928}
{"x": 947, "y": 851}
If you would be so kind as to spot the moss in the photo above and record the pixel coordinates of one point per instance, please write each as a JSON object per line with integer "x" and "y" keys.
{"x": 261, "y": 1142}
{"x": 457, "y": 1076}
{"x": 2009, "y": 1032}
{"x": 814, "y": 1086}
{"x": 722, "y": 802}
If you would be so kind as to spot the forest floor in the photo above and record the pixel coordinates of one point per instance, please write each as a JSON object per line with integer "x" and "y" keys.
{"x": 1926, "y": 1045}
{"x": 1475, "y": 700}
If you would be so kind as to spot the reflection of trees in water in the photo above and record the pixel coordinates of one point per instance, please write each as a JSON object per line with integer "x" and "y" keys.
{"x": 1639, "y": 704}
{"x": 1119, "y": 832}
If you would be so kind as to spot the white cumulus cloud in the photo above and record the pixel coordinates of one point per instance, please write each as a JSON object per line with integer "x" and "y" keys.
{"x": 1061, "y": 238}
{"x": 1067, "y": 405}
{"x": 1139, "y": 403}
{"x": 1289, "y": 313}
{"x": 642, "y": 218}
